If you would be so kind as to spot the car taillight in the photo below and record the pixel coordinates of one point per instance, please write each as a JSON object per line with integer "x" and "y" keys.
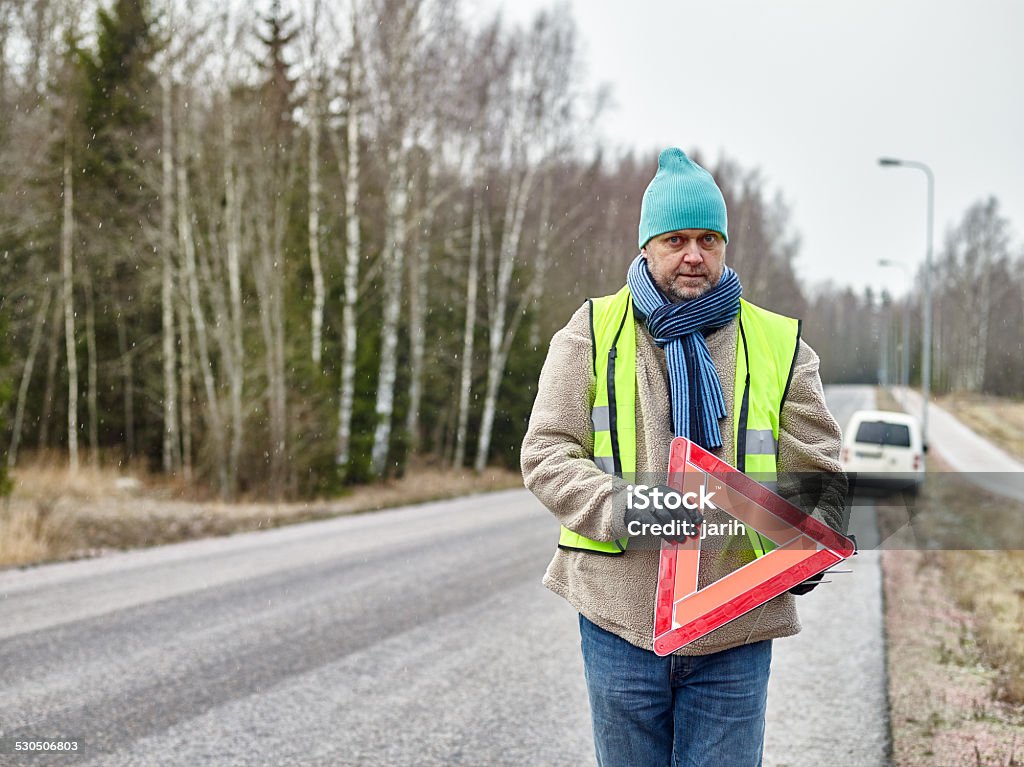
{"x": 846, "y": 454}
{"x": 917, "y": 461}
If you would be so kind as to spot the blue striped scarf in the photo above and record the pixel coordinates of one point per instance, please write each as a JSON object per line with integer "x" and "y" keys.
{"x": 697, "y": 400}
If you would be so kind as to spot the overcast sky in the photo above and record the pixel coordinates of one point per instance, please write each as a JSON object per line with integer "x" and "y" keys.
{"x": 813, "y": 92}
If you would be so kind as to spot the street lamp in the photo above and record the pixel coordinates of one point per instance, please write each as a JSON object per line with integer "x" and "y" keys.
{"x": 926, "y": 343}
{"x": 905, "y": 364}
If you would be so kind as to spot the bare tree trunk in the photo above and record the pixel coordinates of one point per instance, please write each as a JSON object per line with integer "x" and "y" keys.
{"x": 346, "y": 396}
{"x": 264, "y": 288}
{"x": 38, "y": 27}
{"x": 271, "y": 323}
{"x": 469, "y": 329}
{"x": 540, "y": 265}
{"x": 444, "y": 434}
{"x": 171, "y": 440}
{"x": 394, "y": 256}
{"x": 129, "y": 388}
{"x": 26, "y": 375}
{"x": 314, "y": 220}
{"x": 419, "y": 267}
{"x": 68, "y": 281}
{"x": 90, "y": 345}
{"x": 984, "y": 318}
{"x": 185, "y": 334}
{"x": 5, "y": 29}
{"x": 51, "y": 373}
{"x": 215, "y": 430}
{"x": 515, "y": 211}
{"x": 233, "y": 226}
{"x": 281, "y": 476}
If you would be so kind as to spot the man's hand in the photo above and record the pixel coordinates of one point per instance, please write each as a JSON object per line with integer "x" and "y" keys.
{"x": 664, "y": 515}
{"x": 807, "y": 586}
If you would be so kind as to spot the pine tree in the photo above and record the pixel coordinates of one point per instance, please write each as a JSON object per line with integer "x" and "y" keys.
{"x": 119, "y": 85}
{"x": 113, "y": 138}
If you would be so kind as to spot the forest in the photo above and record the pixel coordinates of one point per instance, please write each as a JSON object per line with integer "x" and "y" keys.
{"x": 977, "y": 285}
{"x": 285, "y": 248}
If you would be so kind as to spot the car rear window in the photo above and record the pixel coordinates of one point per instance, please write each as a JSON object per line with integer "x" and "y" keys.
{"x": 882, "y": 433}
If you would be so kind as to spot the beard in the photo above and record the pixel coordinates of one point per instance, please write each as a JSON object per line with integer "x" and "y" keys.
{"x": 688, "y": 290}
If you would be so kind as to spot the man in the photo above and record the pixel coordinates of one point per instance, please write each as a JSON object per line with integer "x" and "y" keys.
{"x": 676, "y": 352}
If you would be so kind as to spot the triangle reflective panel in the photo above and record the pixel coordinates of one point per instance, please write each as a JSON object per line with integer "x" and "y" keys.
{"x": 804, "y": 547}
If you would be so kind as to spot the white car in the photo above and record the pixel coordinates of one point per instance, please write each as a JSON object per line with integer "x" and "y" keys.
{"x": 884, "y": 448}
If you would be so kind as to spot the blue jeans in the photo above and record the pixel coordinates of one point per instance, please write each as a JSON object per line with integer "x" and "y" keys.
{"x": 677, "y": 711}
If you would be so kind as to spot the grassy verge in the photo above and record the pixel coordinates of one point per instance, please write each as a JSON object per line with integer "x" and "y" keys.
{"x": 954, "y": 612}
{"x": 885, "y": 401}
{"x": 943, "y": 706}
{"x": 51, "y": 516}
{"x": 998, "y": 419}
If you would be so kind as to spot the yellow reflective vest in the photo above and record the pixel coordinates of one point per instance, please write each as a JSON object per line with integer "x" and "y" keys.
{"x": 766, "y": 349}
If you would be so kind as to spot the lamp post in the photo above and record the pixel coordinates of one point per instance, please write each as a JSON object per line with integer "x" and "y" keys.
{"x": 905, "y": 364}
{"x": 926, "y": 343}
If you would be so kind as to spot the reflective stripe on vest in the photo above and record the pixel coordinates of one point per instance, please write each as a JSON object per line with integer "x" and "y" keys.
{"x": 766, "y": 348}
{"x": 613, "y": 414}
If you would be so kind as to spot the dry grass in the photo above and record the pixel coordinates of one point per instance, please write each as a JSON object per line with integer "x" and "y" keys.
{"x": 46, "y": 476}
{"x": 953, "y": 620}
{"x": 52, "y": 516}
{"x": 885, "y": 401}
{"x": 940, "y": 687}
{"x": 990, "y": 585}
{"x": 23, "y": 535}
{"x": 998, "y": 419}
{"x": 950, "y": 513}
{"x": 973, "y": 530}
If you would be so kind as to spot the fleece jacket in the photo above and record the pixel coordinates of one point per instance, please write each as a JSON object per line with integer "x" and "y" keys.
{"x": 617, "y": 592}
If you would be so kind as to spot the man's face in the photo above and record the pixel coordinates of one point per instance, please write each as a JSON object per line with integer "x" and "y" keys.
{"x": 686, "y": 263}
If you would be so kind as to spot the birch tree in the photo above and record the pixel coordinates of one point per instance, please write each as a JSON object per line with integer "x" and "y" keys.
{"x": 275, "y": 174}
{"x": 187, "y": 248}
{"x": 185, "y": 339}
{"x": 313, "y": 216}
{"x": 442, "y": 53}
{"x": 441, "y": 228}
{"x": 468, "y": 333}
{"x": 92, "y": 374}
{"x": 171, "y": 442}
{"x": 233, "y": 255}
{"x": 394, "y": 50}
{"x": 398, "y": 195}
{"x": 486, "y": 63}
{"x": 419, "y": 265}
{"x": 349, "y": 170}
{"x": 68, "y": 285}
{"x": 532, "y": 110}
{"x": 53, "y": 342}
{"x": 38, "y": 326}
{"x": 975, "y": 252}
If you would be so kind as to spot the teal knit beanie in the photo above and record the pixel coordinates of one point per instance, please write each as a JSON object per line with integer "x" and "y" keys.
{"x": 682, "y": 195}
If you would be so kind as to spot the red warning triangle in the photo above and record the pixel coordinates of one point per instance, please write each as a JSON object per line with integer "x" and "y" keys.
{"x": 804, "y": 547}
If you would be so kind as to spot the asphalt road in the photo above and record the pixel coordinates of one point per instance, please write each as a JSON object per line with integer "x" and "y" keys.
{"x": 418, "y": 636}
{"x": 827, "y": 699}
{"x": 396, "y": 638}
